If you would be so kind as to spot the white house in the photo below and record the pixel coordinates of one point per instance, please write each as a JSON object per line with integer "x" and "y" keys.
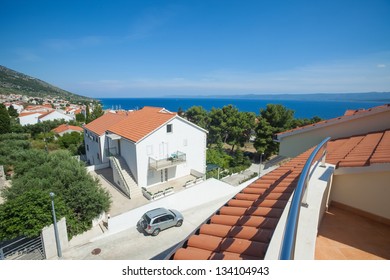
{"x": 55, "y": 115}
{"x": 34, "y": 117}
{"x": 18, "y": 107}
{"x": 153, "y": 144}
{"x": 66, "y": 128}
{"x": 26, "y": 118}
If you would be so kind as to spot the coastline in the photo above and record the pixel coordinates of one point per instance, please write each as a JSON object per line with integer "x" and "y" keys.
{"x": 302, "y": 108}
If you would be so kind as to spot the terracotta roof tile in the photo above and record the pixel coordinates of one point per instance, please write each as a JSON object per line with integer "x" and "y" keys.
{"x": 139, "y": 124}
{"x": 25, "y": 113}
{"x": 348, "y": 115}
{"x": 65, "y": 127}
{"x": 243, "y": 227}
{"x": 100, "y": 125}
{"x": 360, "y": 150}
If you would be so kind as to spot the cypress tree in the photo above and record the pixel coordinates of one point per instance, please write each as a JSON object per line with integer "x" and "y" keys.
{"x": 5, "y": 120}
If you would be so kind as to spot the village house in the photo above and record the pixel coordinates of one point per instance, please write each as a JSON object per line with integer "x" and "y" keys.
{"x": 34, "y": 114}
{"x": 66, "y": 128}
{"x": 55, "y": 115}
{"x": 146, "y": 147}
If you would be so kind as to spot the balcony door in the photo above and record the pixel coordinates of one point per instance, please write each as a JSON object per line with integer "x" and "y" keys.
{"x": 163, "y": 150}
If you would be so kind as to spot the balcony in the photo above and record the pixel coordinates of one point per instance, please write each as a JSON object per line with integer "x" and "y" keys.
{"x": 173, "y": 160}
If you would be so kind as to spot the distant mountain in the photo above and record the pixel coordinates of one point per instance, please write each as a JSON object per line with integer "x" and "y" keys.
{"x": 13, "y": 82}
{"x": 366, "y": 96}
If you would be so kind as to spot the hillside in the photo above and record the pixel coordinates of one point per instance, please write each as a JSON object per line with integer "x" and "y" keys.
{"x": 13, "y": 82}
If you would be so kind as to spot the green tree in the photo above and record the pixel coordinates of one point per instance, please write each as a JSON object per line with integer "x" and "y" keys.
{"x": 28, "y": 213}
{"x": 96, "y": 113}
{"x": 12, "y": 112}
{"x": 80, "y": 118}
{"x": 87, "y": 113}
{"x": 230, "y": 126}
{"x": 71, "y": 141}
{"x": 218, "y": 157}
{"x": 198, "y": 116}
{"x": 218, "y": 131}
{"x": 303, "y": 122}
{"x": 278, "y": 116}
{"x": 274, "y": 119}
{"x": 12, "y": 148}
{"x": 5, "y": 120}
{"x": 264, "y": 143}
{"x": 60, "y": 173}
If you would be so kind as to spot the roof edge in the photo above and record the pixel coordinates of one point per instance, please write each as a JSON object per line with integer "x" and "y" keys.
{"x": 330, "y": 122}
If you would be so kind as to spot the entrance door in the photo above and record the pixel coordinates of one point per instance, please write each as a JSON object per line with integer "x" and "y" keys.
{"x": 164, "y": 175}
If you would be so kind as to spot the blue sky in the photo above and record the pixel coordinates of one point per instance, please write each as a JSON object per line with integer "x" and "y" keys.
{"x": 158, "y": 48}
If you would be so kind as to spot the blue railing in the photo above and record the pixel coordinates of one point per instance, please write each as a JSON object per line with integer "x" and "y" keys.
{"x": 290, "y": 232}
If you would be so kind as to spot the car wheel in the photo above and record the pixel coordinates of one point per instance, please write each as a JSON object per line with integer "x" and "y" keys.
{"x": 179, "y": 223}
{"x": 156, "y": 232}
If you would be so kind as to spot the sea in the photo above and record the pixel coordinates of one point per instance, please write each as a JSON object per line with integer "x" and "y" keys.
{"x": 301, "y": 108}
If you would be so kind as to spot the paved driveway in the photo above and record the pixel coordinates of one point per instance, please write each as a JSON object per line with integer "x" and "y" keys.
{"x": 123, "y": 241}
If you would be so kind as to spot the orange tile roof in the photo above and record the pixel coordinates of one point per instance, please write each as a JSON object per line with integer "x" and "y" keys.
{"x": 45, "y": 114}
{"x": 23, "y": 114}
{"x": 65, "y": 127}
{"x": 42, "y": 108}
{"x": 139, "y": 124}
{"x": 100, "y": 125}
{"x": 134, "y": 125}
{"x": 360, "y": 150}
{"x": 349, "y": 114}
{"x": 243, "y": 228}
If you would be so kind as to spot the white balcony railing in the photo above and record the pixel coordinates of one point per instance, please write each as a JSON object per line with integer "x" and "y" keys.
{"x": 170, "y": 161}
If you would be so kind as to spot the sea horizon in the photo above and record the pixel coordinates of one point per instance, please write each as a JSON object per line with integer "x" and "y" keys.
{"x": 302, "y": 108}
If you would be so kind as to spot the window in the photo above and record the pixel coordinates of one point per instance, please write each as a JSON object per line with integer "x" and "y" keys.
{"x": 169, "y": 128}
{"x": 87, "y": 147}
{"x": 97, "y": 156}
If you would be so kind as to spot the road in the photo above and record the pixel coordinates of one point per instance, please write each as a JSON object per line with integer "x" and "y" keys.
{"x": 130, "y": 244}
{"x": 124, "y": 242}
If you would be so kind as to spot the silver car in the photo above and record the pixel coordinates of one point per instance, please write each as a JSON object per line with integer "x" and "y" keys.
{"x": 156, "y": 220}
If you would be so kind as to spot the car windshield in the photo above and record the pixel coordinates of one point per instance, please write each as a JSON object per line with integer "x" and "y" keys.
{"x": 173, "y": 213}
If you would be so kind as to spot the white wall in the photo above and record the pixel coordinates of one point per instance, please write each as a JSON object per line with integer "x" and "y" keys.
{"x": 296, "y": 144}
{"x": 92, "y": 148}
{"x": 129, "y": 153}
{"x": 366, "y": 191}
{"x": 29, "y": 119}
{"x": 49, "y": 240}
{"x": 56, "y": 116}
{"x": 185, "y": 138}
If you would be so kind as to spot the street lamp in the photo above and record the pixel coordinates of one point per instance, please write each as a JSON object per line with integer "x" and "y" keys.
{"x": 261, "y": 159}
{"x": 59, "y": 253}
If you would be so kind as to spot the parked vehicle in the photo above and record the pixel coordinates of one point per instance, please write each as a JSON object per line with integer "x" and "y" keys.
{"x": 156, "y": 220}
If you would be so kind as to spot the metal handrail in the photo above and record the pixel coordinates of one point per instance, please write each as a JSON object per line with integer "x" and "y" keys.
{"x": 290, "y": 232}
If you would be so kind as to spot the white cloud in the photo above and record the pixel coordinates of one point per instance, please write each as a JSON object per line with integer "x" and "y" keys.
{"x": 381, "y": 66}
{"x": 332, "y": 77}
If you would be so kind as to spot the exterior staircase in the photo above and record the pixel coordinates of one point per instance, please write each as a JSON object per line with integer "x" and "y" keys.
{"x": 131, "y": 188}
